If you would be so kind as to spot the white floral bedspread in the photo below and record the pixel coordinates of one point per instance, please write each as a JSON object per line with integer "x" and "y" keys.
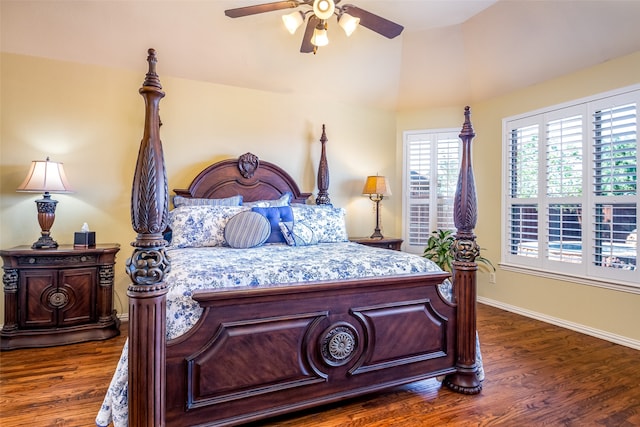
{"x": 219, "y": 267}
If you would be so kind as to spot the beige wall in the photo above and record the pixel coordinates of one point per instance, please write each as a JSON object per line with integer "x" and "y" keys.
{"x": 615, "y": 314}
{"x": 91, "y": 119}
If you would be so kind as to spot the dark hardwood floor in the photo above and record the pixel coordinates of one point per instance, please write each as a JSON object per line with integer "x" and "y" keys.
{"x": 536, "y": 374}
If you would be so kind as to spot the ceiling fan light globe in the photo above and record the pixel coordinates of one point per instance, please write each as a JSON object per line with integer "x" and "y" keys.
{"x": 348, "y": 23}
{"x": 293, "y": 20}
{"x": 320, "y": 37}
{"x": 323, "y": 9}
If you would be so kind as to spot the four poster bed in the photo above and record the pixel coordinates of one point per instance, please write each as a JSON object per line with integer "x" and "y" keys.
{"x": 326, "y": 320}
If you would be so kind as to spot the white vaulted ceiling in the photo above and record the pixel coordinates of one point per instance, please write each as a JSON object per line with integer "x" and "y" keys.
{"x": 451, "y": 51}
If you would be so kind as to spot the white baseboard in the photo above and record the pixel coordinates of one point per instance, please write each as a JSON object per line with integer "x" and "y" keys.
{"x": 587, "y": 330}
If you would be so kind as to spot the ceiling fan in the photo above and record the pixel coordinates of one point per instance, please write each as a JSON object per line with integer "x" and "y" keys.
{"x": 317, "y": 13}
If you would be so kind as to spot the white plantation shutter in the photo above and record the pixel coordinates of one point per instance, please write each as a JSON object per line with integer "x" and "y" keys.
{"x": 523, "y": 161}
{"x": 564, "y": 232}
{"x": 523, "y": 230}
{"x": 418, "y": 155}
{"x": 615, "y": 160}
{"x": 564, "y": 157}
{"x": 564, "y": 182}
{"x": 431, "y": 167}
{"x": 448, "y": 147}
{"x": 615, "y": 150}
{"x": 570, "y": 188}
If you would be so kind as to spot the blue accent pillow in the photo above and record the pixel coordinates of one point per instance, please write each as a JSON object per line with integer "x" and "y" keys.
{"x": 247, "y": 230}
{"x": 276, "y": 215}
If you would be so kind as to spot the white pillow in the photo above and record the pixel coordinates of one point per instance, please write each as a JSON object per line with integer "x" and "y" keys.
{"x": 283, "y": 200}
{"x": 298, "y": 234}
{"x": 200, "y": 226}
{"x": 328, "y": 223}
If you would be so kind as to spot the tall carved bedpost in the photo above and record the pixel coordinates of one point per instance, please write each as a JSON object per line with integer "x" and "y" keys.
{"x": 147, "y": 267}
{"x": 323, "y": 173}
{"x": 465, "y": 250}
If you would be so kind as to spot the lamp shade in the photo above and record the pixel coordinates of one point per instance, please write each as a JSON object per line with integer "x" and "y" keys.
{"x": 45, "y": 176}
{"x": 320, "y": 37}
{"x": 348, "y": 23}
{"x": 376, "y": 185}
{"x": 293, "y": 20}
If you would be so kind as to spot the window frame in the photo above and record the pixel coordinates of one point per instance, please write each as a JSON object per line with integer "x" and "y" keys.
{"x": 586, "y": 272}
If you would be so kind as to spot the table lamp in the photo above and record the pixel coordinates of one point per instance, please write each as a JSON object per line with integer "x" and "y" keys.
{"x": 376, "y": 188}
{"x": 48, "y": 177}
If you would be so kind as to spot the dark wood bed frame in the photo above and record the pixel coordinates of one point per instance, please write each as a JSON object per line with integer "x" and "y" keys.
{"x": 262, "y": 352}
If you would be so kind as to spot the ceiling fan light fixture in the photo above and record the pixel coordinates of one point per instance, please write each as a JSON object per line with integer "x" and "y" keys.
{"x": 323, "y": 9}
{"x": 317, "y": 13}
{"x": 348, "y": 23}
{"x": 293, "y": 20}
{"x": 320, "y": 37}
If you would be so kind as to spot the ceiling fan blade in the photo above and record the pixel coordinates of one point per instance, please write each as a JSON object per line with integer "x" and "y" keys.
{"x": 260, "y": 8}
{"x": 374, "y": 22}
{"x": 307, "y": 46}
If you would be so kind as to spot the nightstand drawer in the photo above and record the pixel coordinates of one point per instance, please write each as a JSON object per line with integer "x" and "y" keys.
{"x": 49, "y": 261}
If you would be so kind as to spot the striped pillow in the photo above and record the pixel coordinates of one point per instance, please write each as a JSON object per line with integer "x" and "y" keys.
{"x": 247, "y": 230}
{"x": 192, "y": 201}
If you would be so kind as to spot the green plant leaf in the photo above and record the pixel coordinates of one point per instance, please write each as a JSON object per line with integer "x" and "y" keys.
{"x": 439, "y": 250}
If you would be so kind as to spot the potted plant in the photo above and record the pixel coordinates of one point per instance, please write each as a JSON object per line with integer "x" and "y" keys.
{"x": 439, "y": 247}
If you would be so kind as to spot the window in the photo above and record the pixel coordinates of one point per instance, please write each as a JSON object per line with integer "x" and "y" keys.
{"x": 570, "y": 188}
{"x": 431, "y": 167}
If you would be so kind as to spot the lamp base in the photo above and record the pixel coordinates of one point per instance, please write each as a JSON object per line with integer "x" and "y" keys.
{"x": 377, "y": 234}
{"x": 46, "y": 216}
{"x": 45, "y": 242}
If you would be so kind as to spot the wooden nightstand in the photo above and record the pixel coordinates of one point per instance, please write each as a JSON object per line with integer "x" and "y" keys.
{"x": 386, "y": 242}
{"x": 58, "y": 296}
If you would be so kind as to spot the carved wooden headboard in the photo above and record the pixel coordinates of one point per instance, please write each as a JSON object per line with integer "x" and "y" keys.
{"x": 248, "y": 176}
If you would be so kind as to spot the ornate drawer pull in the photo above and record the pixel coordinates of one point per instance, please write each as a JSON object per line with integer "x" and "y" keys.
{"x": 58, "y": 299}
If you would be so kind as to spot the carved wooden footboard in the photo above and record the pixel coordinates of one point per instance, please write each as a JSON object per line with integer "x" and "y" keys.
{"x": 266, "y": 351}
{"x": 253, "y": 356}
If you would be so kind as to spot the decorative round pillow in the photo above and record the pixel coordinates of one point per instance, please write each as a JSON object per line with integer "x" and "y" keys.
{"x": 247, "y": 230}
